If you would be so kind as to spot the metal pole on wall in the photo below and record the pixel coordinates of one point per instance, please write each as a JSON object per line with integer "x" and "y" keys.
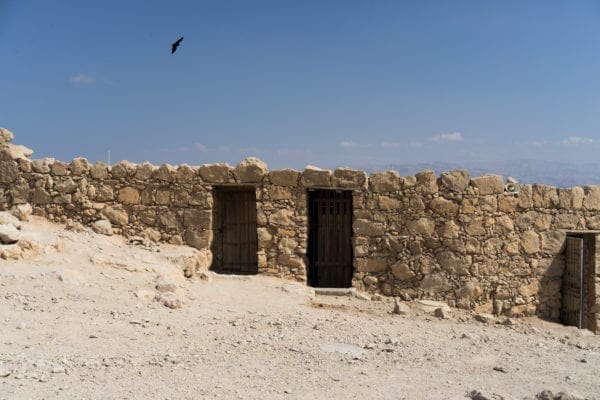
{"x": 108, "y": 158}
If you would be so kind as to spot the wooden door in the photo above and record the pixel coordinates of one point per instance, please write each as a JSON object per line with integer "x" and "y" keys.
{"x": 236, "y": 232}
{"x": 572, "y": 310}
{"x": 330, "y": 238}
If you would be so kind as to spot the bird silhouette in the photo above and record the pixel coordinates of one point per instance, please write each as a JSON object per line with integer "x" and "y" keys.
{"x": 175, "y": 45}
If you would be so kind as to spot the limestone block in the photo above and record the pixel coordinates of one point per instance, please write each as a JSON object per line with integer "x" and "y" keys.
{"x": 168, "y": 219}
{"x": 349, "y": 178}
{"x": 22, "y": 211}
{"x": 198, "y": 239}
{"x": 475, "y": 227}
{"x": 435, "y": 283}
{"x": 280, "y": 193}
{"x": 163, "y": 196}
{"x": 565, "y": 221}
{"x": 9, "y": 234}
{"x": 265, "y": 239}
{"x": 281, "y": 217}
{"x": 116, "y": 215}
{"x": 470, "y": 291}
{"x": 215, "y": 173}
{"x": 40, "y": 196}
{"x": 122, "y": 169}
{"x": 99, "y": 170}
{"x": 538, "y": 220}
{"x": 66, "y": 186}
{"x": 198, "y": 219}
{"x": 59, "y": 168}
{"x": 426, "y": 182}
{"x": 24, "y": 164}
{"x": 165, "y": 173}
{"x": 371, "y": 264}
{"x": 19, "y": 193}
{"x": 287, "y": 245}
{"x": 144, "y": 171}
{"x": 103, "y": 227}
{"x": 79, "y": 166}
{"x": 449, "y": 230}
{"x": 421, "y": 226}
{"x": 530, "y": 242}
{"x": 592, "y": 222}
{"x": 105, "y": 193}
{"x": 402, "y": 271}
{"x": 571, "y": 199}
{"x": 62, "y": 199}
{"x": 388, "y": 181}
{"x": 185, "y": 174}
{"x": 147, "y": 216}
{"x": 129, "y": 195}
{"x": 544, "y": 196}
{"x": 10, "y": 151}
{"x": 591, "y": 201}
{"x": 387, "y": 203}
{"x": 250, "y": 170}
{"x": 315, "y": 176}
{"x": 488, "y": 184}
{"x": 289, "y": 260}
{"x": 524, "y": 196}
{"x": 456, "y": 181}
{"x": 368, "y": 228}
{"x": 9, "y": 171}
{"x": 442, "y": 206}
{"x": 553, "y": 241}
{"x": 452, "y": 263}
{"x": 181, "y": 197}
{"x": 507, "y": 203}
{"x": 284, "y": 177}
{"x": 504, "y": 224}
{"x": 6, "y": 136}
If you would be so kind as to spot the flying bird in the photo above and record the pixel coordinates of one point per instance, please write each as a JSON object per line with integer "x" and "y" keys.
{"x": 175, "y": 45}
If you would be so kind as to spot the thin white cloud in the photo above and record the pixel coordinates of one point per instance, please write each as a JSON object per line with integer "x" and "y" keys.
{"x": 199, "y": 146}
{"x": 348, "y": 144}
{"x": 82, "y": 78}
{"x": 448, "y": 137}
{"x": 576, "y": 140}
{"x": 391, "y": 145}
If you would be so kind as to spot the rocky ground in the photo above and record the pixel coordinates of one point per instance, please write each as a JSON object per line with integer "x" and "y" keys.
{"x": 95, "y": 317}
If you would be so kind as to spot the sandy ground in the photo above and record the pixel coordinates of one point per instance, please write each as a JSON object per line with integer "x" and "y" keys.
{"x": 73, "y": 328}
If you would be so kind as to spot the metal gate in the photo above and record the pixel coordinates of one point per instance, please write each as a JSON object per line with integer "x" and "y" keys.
{"x": 330, "y": 238}
{"x": 236, "y": 238}
{"x": 573, "y": 296}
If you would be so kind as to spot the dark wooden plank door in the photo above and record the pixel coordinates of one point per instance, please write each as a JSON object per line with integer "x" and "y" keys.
{"x": 330, "y": 238}
{"x": 572, "y": 309}
{"x": 239, "y": 240}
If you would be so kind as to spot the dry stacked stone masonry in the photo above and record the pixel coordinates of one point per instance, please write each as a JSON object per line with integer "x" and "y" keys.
{"x": 457, "y": 238}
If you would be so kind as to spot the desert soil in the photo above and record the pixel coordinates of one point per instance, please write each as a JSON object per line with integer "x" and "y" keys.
{"x": 79, "y": 321}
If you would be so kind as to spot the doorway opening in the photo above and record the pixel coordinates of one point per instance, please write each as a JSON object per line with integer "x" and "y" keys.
{"x": 330, "y": 238}
{"x": 235, "y": 242}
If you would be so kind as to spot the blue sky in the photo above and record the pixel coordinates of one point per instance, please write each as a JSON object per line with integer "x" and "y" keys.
{"x": 329, "y": 83}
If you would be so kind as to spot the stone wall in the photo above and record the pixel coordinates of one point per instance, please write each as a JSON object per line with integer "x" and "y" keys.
{"x": 456, "y": 238}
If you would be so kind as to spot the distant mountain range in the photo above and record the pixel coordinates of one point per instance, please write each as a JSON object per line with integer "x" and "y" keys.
{"x": 525, "y": 171}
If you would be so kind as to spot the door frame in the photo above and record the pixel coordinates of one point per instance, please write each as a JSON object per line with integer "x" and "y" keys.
{"x": 218, "y": 247}
{"x": 341, "y": 224}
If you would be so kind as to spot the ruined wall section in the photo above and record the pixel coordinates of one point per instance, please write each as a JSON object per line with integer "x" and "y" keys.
{"x": 455, "y": 238}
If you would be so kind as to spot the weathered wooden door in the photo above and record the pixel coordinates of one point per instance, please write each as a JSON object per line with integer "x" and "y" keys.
{"x": 572, "y": 310}
{"x": 236, "y": 231}
{"x": 330, "y": 238}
